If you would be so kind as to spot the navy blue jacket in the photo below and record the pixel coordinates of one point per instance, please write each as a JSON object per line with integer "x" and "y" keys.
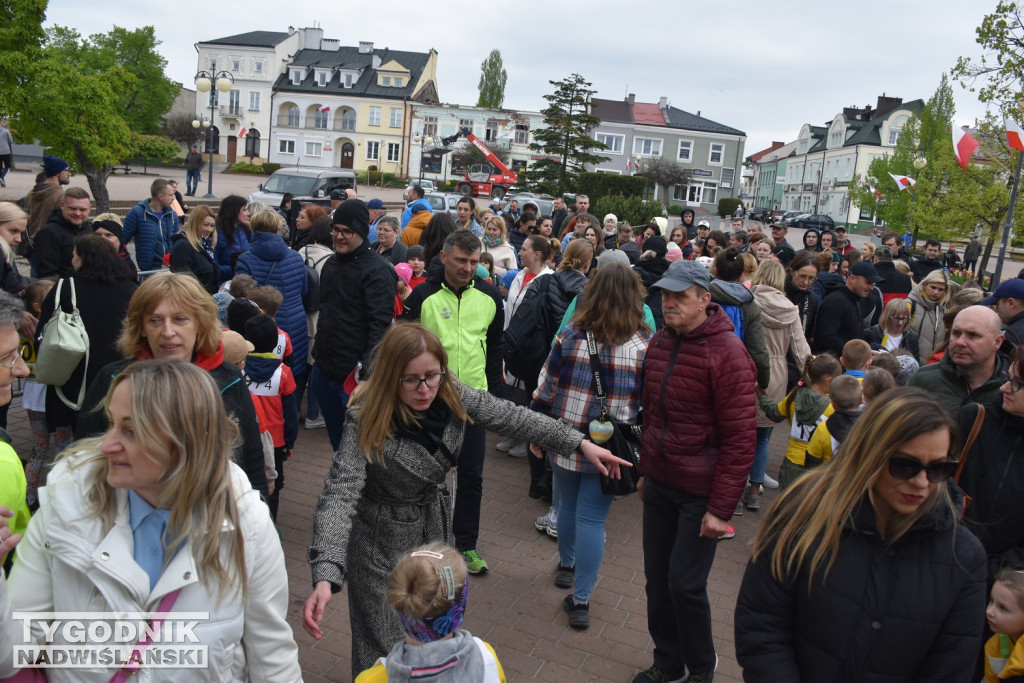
{"x": 152, "y": 234}
{"x": 225, "y": 248}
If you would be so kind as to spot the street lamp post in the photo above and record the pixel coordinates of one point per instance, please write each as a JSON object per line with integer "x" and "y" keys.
{"x": 417, "y": 138}
{"x": 919, "y": 164}
{"x": 204, "y": 81}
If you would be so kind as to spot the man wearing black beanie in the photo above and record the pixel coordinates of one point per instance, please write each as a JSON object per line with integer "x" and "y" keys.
{"x": 357, "y": 305}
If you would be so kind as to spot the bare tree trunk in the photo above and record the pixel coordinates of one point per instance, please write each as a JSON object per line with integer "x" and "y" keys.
{"x": 97, "y": 178}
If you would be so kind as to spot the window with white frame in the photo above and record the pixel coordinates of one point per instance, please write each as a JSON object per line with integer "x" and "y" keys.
{"x": 685, "y": 153}
{"x": 429, "y": 126}
{"x": 648, "y": 147}
{"x": 286, "y": 146}
{"x": 895, "y": 128}
{"x": 257, "y": 66}
{"x": 372, "y": 150}
{"x": 314, "y": 149}
{"x": 716, "y": 153}
{"x": 385, "y": 81}
{"x": 466, "y": 123}
{"x": 321, "y": 78}
{"x": 374, "y": 116}
{"x": 296, "y": 76}
{"x": 348, "y": 80}
{"x": 728, "y": 175}
{"x": 697, "y": 192}
{"x": 236, "y": 64}
{"x": 348, "y": 119}
{"x": 292, "y": 116}
{"x": 612, "y": 142}
{"x": 836, "y": 138}
{"x": 491, "y": 130}
{"x": 394, "y": 152}
{"x": 399, "y": 81}
{"x": 320, "y": 120}
{"x": 254, "y": 101}
{"x": 522, "y": 133}
{"x": 235, "y": 102}
{"x": 396, "y": 117}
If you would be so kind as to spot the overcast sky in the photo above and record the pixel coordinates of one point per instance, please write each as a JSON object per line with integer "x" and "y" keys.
{"x": 763, "y": 67}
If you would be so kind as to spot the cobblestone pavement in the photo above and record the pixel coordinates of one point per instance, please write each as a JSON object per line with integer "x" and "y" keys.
{"x": 516, "y": 606}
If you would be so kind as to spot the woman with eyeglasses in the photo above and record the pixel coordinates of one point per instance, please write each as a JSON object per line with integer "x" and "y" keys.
{"x": 386, "y": 492}
{"x": 993, "y": 474}
{"x": 892, "y": 331}
{"x": 881, "y": 584}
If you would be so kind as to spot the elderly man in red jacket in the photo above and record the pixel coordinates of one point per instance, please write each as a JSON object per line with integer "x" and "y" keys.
{"x": 698, "y": 446}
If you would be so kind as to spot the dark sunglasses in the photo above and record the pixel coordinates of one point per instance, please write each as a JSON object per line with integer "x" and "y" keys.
{"x": 907, "y": 468}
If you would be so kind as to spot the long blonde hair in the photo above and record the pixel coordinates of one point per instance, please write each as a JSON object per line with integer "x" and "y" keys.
{"x": 9, "y": 212}
{"x": 193, "y": 440}
{"x": 378, "y": 412}
{"x": 194, "y": 225}
{"x": 185, "y": 291}
{"x": 803, "y": 534}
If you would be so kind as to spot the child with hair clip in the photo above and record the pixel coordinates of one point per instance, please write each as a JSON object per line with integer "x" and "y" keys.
{"x": 805, "y": 407}
{"x": 429, "y": 588}
{"x": 1004, "y": 651}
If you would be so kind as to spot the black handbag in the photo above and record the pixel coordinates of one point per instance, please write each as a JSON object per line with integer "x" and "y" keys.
{"x": 625, "y": 438}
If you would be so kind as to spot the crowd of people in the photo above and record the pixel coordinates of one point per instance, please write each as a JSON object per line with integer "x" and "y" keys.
{"x": 409, "y": 337}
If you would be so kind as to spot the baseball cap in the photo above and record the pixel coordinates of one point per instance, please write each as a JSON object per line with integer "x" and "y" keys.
{"x": 682, "y": 275}
{"x": 866, "y": 270}
{"x": 1010, "y": 289}
{"x": 840, "y": 228}
{"x": 338, "y": 194}
{"x": 375, "y": 204}
{"x": 703, "y": 224}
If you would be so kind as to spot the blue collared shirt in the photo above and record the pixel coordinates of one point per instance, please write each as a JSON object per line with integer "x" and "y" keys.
{"x": 148, "y": 526}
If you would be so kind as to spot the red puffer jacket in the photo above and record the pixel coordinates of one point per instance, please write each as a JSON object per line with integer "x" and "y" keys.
{"x": 699, "y": 412}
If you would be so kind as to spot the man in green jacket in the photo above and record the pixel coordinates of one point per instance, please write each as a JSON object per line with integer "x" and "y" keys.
{"x": 972, "y": 370}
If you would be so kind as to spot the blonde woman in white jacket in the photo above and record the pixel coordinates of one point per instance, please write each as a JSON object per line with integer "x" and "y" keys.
{"x": 495, "y": 243}
{"x": 155, "y": 506}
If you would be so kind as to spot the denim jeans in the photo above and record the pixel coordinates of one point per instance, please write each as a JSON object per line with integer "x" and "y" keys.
{"x": 333, "y": 401}
{"x": 764, "y": 437}
{"x": 192, "y": 181}
{"x": 582, "y": 510}
{"x": 677, "y": 561}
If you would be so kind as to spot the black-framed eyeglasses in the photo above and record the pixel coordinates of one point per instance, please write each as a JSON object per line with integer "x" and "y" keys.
{"x": 413, "y": 383}
{"x": 900, "y": 319}
{"x": 344, "y": 233}
{"x": 907, "y": 468}
{"x": 1016, "y": 384}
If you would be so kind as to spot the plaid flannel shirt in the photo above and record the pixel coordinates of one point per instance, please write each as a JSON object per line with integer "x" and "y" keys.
{"x": 566, "y": 385}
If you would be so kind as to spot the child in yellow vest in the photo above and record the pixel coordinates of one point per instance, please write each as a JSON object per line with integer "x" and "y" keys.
{"x": 429, "y": 588}
{"x": 1004, "y": 651}
{"x": 806, "y": 406}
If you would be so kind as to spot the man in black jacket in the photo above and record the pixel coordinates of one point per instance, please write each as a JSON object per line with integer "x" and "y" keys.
{"x": 929, "y": 262}
{"x": 840, "y": 317}
{"x": 357, "y": 305}
{"x": 1009, "y": 302}
{"x": 896, "y": 284}
{"x": 55, "y": 242}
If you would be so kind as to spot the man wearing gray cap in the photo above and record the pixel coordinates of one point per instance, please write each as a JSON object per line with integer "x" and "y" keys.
{"x": 698, "y": 446}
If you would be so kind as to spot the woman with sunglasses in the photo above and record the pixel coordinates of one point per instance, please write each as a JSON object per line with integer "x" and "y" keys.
{"x": 880, "y": 584}
{"x": 386, "y": 492}
{"x": 993, "y": 473}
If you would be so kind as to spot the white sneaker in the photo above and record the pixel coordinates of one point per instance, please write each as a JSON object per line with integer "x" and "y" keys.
{"x": 770, "y": 483}
{"x": 505, "y": 444}
{"x": 548, "y": 524}
{"x": 519, "y": 450}
{"x": 318, "y": 423}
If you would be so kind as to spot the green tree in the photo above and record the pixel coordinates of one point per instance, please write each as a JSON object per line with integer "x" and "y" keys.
{"x": 565, "y": 140}
{"x": 493, "y": 77}
{"x": 21, "y": 39}
{"x": 998, "y": 75}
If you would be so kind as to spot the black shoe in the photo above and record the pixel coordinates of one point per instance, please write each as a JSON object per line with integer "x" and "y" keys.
{"x": 579, "y": 615}
{"x": 542, "y": 489}
{"x": 3, "y": 183}
{"x": 565, "y": 576}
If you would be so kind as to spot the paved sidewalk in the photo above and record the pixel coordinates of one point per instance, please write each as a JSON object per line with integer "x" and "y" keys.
{"x": 516, "y": 606}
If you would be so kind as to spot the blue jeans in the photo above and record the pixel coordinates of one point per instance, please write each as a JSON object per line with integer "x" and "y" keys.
{"x": 764, "y": 437}
{"x": 582, "y": 509}
{"x": 333, "y": 402}
{"x": 192, "y": 181}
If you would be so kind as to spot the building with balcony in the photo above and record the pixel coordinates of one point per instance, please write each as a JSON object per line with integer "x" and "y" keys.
{"x": 506, "y": 132}
{"x": 828, "y": 157}
{"x": 712, "y": 152}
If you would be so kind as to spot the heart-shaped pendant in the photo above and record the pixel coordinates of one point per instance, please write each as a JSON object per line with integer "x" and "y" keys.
{"x": 601, "y": 431}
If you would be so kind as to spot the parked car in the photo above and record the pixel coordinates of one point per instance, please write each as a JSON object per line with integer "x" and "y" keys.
{"x": 791, "y": 217}
{"x": 443, "y": 201}
{"x": 816, "y": 220}
{"x": 758, "y": 214}
{"x": 308, "y": 185}
{"x": 544, "y": 202}
{"x": 427, "y": 185}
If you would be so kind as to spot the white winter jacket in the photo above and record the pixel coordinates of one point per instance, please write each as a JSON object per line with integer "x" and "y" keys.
{"x": 67, "y": 563}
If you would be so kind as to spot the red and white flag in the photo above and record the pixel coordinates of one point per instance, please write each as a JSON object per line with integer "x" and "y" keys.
{"x": 905, "y": 182}
{"x": 324, "y": 110}
{"x": 963, "y": 146}
{"x": 1014, "y": 134}
{"x": 242, "y": 132}
{"x": 875, "y": 192}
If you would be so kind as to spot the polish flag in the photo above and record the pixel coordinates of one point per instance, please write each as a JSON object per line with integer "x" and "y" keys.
{"x": 903, "y": 181}
{"x": 963, "y": 146}
{"x": 324, "y": 110}
{"x": 1014, "y": 134}
{"x": 242, "y": 132}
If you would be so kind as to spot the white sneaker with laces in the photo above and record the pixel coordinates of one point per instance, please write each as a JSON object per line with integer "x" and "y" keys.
{"x": 770, "y": 483}
{"x": 505, "y": 444}
{"x": 548, "y": 524}
{"x": 318, "y": 423}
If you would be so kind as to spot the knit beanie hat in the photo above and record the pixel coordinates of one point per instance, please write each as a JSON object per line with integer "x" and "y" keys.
{"x": 261, "y": 331}
{"x": 110, "y": 226}
{"x": 235, "y": 346}
{"x": 908, "y": 367}
{"x": 239, "y": 312}
{"x": 673, "y": 253}
{"x": 612, "y": 256}
{"x": 53, "y": 165}
{"x": 604, "y": 224}
{"x": 353, "y": 214}
{"x": 508, "y": 277}
{"x": 404, "y": 271}
{"x": 657, "y": 245}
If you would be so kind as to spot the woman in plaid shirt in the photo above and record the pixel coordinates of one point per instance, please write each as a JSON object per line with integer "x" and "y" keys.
{"x": 611, "y": 308}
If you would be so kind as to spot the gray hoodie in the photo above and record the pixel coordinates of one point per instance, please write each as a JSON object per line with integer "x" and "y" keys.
{"x": 457, "y": 660}
{"x": 735, "y": 293}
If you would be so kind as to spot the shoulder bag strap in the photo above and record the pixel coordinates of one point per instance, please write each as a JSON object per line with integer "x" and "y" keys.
{"x": 134, "y": 664}
{"x": 979, "y": 419}
{"x": 595, "y": 369}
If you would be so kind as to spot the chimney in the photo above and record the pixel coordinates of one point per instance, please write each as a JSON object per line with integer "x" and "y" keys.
{"x": 375, "y": 61}
{"x": 365, "y": 47}
{"x": 663, "y": 103}
{"x": 887, "y": 104}
{"x": 631, "y": 98}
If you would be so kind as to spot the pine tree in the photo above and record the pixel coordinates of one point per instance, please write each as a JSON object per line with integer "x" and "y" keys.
{"x": 565, "y": 140}
{"x": 492, "y": 81}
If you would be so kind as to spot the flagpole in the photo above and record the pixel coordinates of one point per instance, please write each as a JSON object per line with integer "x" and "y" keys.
{"x": 1007, "y": 225}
